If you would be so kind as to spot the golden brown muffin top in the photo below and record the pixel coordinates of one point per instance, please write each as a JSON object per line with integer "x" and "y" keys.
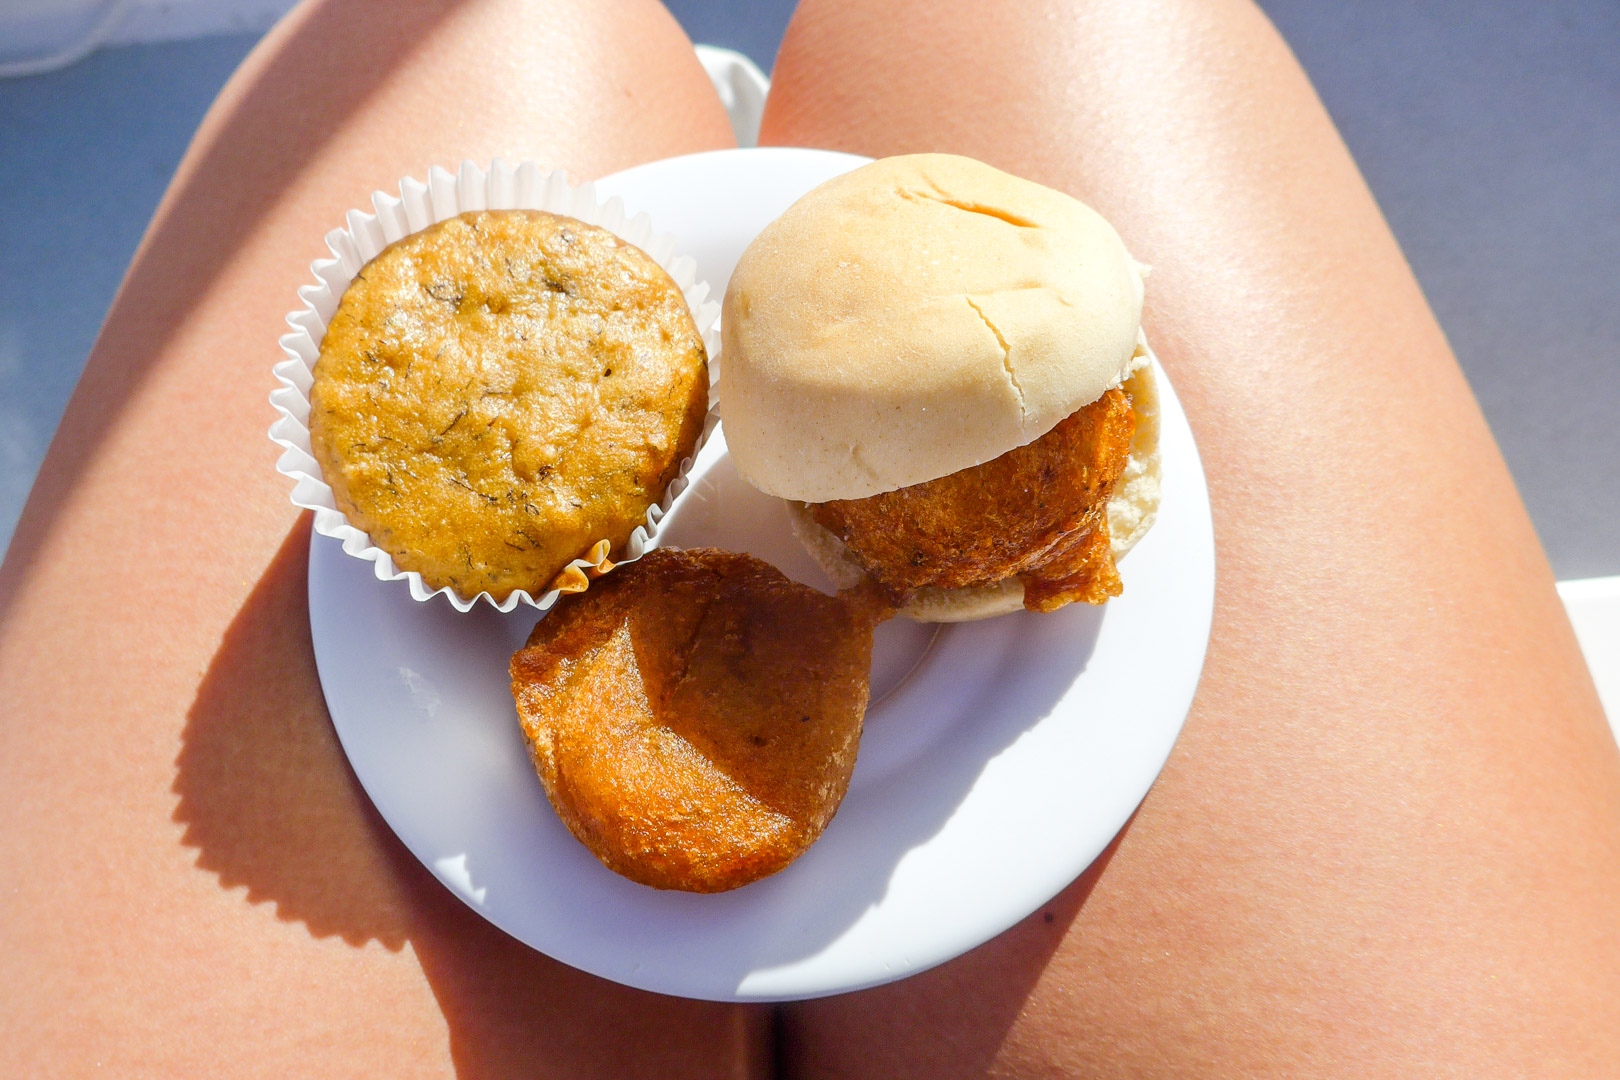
{"x": 500, "y": 391}
{"x": 695, "y": 715}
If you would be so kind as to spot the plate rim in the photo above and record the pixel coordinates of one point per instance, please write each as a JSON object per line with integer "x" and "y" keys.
{"x": 1198, "y": 489}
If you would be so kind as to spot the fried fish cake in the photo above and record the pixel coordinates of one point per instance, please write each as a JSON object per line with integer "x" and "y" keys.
{"x": 1083, "y": 572}
{"x": 694, "y": 715}
{"x": 499, "y": 392}
{"x": 1039, "y": 511}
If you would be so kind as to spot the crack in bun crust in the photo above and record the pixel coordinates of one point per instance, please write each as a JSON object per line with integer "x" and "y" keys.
{"x": 916, "y": 317}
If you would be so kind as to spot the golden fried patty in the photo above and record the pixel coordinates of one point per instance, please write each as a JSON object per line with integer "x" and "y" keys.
{"x": 500, "y": 391}
{"x": 694, "y": 716}
{"x": 1039, "y": 511}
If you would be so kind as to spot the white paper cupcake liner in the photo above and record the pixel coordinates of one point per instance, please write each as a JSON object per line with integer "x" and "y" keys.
{"x": 418, "y": 205}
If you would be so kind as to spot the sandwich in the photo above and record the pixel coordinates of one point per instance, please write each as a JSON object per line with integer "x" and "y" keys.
{"x": 941, "y": 368}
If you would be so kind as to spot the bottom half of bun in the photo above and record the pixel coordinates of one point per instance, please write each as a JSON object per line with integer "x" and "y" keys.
{"x": 1131, "y": 512}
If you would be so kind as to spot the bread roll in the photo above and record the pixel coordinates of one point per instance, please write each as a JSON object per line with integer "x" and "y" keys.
{"x": 915, "y": 317}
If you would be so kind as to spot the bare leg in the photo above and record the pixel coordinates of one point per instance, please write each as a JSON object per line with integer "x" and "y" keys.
{"x": 1388, "y": 843}
{"x": 193, "y": 883}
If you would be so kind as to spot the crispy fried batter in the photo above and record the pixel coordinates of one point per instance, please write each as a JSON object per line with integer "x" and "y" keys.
{"x": 1084, "y": 572}
{"x": 695, "y": 715}
{"x": 1039, "y": 511}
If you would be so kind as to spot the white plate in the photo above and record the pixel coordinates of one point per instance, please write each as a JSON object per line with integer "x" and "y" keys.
{"x": 999, "y": 758}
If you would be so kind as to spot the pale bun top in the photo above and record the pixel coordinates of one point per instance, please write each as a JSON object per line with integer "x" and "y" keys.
{"x": 916, "y": 317}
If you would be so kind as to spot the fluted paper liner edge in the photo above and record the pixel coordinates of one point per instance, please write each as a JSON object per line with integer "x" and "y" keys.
{"x": 504, "y": 187}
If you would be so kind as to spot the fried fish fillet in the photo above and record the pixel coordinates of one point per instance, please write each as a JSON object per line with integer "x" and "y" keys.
{"x": 1039, "y": 511}
{"x": 694, "y": 715}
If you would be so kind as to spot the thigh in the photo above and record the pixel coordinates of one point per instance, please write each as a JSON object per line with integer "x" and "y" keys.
{"x": 1388, "y": 841}
{"x": 194, "y": 883}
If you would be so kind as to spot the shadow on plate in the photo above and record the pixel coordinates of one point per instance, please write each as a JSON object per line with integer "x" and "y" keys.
{"x": 425, "y": 709}
{"x": 946, "y": 702}
{"x": 849, "y": 871}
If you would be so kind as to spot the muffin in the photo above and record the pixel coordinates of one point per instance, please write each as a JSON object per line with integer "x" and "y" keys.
{"x": 695, "y": 716}
{"x": 500, "y": 392}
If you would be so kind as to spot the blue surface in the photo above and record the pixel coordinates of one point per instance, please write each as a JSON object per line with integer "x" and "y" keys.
{"x": 85, "y": 154}
{"x": 1487, "y": 131}
{"x": 752, "y": 27}
{"x": 1490, "y": 133}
